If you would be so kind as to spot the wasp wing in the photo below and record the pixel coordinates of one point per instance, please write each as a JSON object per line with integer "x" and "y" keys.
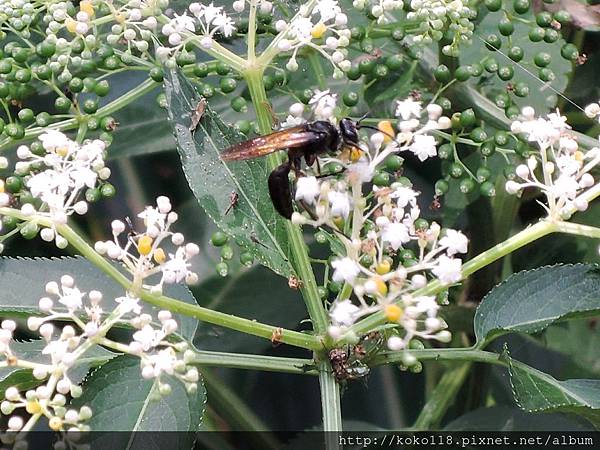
{"x": 264, "y": 145}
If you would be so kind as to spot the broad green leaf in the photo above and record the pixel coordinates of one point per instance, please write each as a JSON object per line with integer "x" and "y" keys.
{"x": 32, "y": 274}
{"x": 536, "y": 391}
{"x": 542, "y": 95}
{"x": 529, "y": 301}
{"x": 243, "y": 294}
{"x": 121, "y": 400}
{"x": 22, "y": 379}
{"x": 579, "y": 340}
{"x": 253, "y": 222}
{"x": 505, "y": 418}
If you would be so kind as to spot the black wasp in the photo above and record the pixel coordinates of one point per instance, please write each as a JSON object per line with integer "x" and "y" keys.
{"x": 303, "y": 141}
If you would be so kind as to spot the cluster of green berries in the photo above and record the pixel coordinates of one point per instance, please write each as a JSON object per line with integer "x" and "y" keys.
{"x": 221, "y": 241}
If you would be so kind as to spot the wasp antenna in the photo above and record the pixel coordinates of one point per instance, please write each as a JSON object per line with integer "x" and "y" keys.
{"x": 370, "y": 127}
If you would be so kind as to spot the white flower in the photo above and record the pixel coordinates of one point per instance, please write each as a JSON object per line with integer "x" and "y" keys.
{"x": 307, "y": 189}
{"x": 343, "y": 312}
{"x": 183, "y": 23}
{"x": 323, "y": 104}
{"x": 71, "y": 298}
{"x": 176, "y": 268}
{"x": 408, "y": 108}
{"x": 345, "y": 269}
{"x": 566, "y": 186}
{"x": 328, "y": 9}
{"x": 148, "y": 337}
{"x": 396, "y": 234}
{"x": 340, "y": 204}
{"x": 455, "y": 241}
{"x": 404, "y": 195}
{"x": 423, "y": 147}
{"x": 129, "y": 304}
{"x": 448, "y": 270}
{"x": 163, "y": 361}
{"x": 291, "y": 121}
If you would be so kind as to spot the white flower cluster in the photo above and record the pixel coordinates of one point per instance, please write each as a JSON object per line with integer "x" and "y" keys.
{"x": 149, "y": 257}
{"x": 560, "y": 169}
{"x": 375, "y": 231}
{"x": 320, "y": 25}
{"x": 435, "y": 16}
{"x": 381, "y": 9}
{"x": 65, "y": 348}
{"x": 67, "y": 169}
{"x": 206, "y": 21}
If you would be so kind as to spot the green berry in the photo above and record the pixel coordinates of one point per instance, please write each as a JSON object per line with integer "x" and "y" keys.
{"x": 20, "y": 55}
{"x": 506, "y": 73}
{"x": 501, "y": 138}
{"x": 536, "y": 34}
{"x": 14, "y": 130}
{"x": 102, "y": 88}
{"x": 93, "y": 123}
{"x": 89, "y": 84}
{"x": 62, "y": 104}
{"x": 421, "y": 224}
{"x": 509, "y": 172}
{"x": 521, "y": 89}
{"x": 441, "y": 187}
{"x": 45, "y": 49}
{"x": 502, "y": 100}
{"x": 445, "y": 103}
{"x": 353, "y": 73}
{"x": 394, "y": 62}
{"x": 112, "y": 62}
{"x": 487, "y": 189}
{"x": 516, "y": 53}
{"x": 542, "y": 59}
{"x": 546, "y": 74}
{"x": 90, "y": 106}
{"x": 551, "y": 35}
{"x": 562, "y": 17}
{"x": 244, "y": 126}
{"x": 493, "y": 5}
{"x": 305, "y": 96}
{"x": 367, "y": 45}
{"x": 29, "y": 230}
{"x": 320, "y": 237}
{"x": 350, "y": 98}
{"x": 13, "y": 184}
{"x": 570, "y": 52}
{"x": 442, "y": 73}
{"x": 393, "y": 162}
{"x": 208, "y": 91}
{"x": 219, "y": 239}
{"x": 200, "y": 70}
{"x": 357, "y": 32}
{"x": 445, "y": 151}
{"x": 493, "y": 42}
{"x": 483, "y": 174}
{"x": 476, "y": 69}
{"x": 76, "y": 85}
{"x": 9, "y": 223}
{"x": 381, "y": 71}
{"x": 462, "y": 73}
{"x": 43, "y": 119}
{"x": 92, "y": 195}
{"x": 239, "y": 104}
{"x": 334, "y": 287}
{"x": 512, "y": 112}
{"x": 228, "y": 84}
{"x": 4, "y": 89}
{"x": 543, "y": 19}
{"x": 108, "y": 190}
{"x": 490, "y": 65}
{"x": 521, "y": 6}
{"x": 382, "y": 179}
{"x": 478, "y": 135}
{"x": 25, "y": 115}
{"x": 366, "y": 66}
{"x": 456, "y": 170}
{"x": 398, "y": 33}
{"x": 506, "y": 26}
{"x": 466, "y": 185}
{"x": 269, "y": 82}
{"x": 23, "y": 75}
{"x": 222, "y": 269}
{"x": 223, "y": 68}
{"x": 467, "y": 118}
{"x": 5, "y": 66}
{"x": 246, "y": 259}
{"x": 226, "y": 252}
{"x": 108, "y": 123}
{"x": 366, "y": 260}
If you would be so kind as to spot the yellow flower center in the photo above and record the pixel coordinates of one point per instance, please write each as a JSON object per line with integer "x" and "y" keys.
{"x": 55, "y": 423}
{"x": 33, "y": 407}
{"x": 87, "y": 7}
{"x": 318, "y": 30}
{"x": 145, "y": 245}
{"x": 159, "y": 256}
{"x": 71, "y": 25}
{"x": 383, "y": 267}
{"x": 393, "y": 313}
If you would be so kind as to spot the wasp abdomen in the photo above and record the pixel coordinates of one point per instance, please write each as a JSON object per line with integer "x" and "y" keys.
{"x": 279, "y": 190}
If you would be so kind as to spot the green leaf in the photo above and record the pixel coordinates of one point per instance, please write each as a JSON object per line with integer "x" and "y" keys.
{"x": 536, "y": 391}
{"x": 253, "y": 222}
{"x": 32, "y": 274}
{"x": 22, "y": 379}
{"x": 243, "y": 294}
{"x": 529, "y": 301}
{"x": 579, "y": 340}
{"x": 121, "y": 400}
{"x": 505, "y": 418}
{"x": 542, "y": 95}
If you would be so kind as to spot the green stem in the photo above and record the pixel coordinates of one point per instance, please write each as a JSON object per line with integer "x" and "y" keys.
{"x": 247, "y": 326}
{"x": 254, "y": 362}
{"x": 442, "y": 397}
{"x": 251, "y": 37}
{"x": 331, "y": 405}
{"x": 299, "y": 253}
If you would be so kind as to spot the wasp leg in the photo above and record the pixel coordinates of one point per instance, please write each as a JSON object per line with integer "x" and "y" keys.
{"x": 279, "y": 190}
